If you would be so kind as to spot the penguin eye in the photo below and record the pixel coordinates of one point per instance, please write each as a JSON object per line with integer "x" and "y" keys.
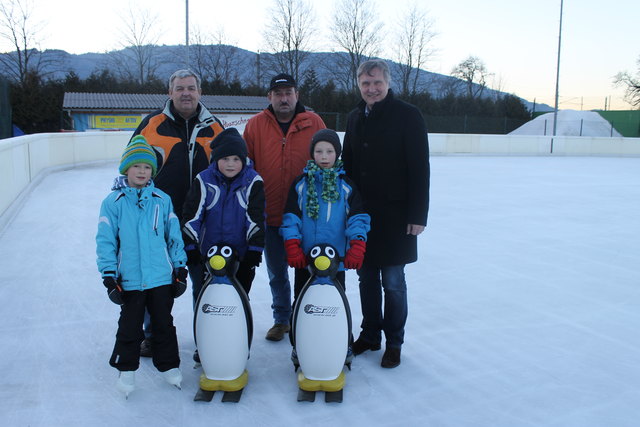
{"x": 212, "y": 250}
{"x": 330, "y": 252}
{"x": 315, "y": 251}
{"x": 226, "y": 251}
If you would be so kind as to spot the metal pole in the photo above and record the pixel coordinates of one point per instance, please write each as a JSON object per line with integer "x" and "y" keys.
{"x": 581, "y": 123}
{"x": 555, "y": 113}
{"x": 187, "y": 32}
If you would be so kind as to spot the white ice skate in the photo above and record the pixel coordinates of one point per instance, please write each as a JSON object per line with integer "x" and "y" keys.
{"x": 173, "y": 377}
{"x": 126, "y": 382}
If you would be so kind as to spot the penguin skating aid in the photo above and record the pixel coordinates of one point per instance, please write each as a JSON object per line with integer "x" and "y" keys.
{"x": 321, "y": 329}
{"x": 223, "y": 327}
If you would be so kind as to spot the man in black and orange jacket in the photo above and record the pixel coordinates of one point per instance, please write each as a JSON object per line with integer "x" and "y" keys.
{"x": 180, "y": 133}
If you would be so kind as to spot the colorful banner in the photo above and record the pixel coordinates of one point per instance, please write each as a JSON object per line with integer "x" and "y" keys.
{"x": 115, "y": 122}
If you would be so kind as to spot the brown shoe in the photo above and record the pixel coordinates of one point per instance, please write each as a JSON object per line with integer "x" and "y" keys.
{"x": 277, "y": 331}
{"x": 390, "y": 358}
{"x": 360, "y": 346}
{"x": 145, "y": 348}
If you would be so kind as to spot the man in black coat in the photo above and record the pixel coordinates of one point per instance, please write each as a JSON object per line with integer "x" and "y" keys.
{"x": 386, "y": 153}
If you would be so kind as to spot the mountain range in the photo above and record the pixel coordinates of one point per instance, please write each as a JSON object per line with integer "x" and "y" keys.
{"x": 57, "y": 63}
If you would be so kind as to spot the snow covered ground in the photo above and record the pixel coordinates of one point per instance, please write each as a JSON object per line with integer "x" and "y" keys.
{"x": 569, "y": 123}
{"x": 524, "y": 311}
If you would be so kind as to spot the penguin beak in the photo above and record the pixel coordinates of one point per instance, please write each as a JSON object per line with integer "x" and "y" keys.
{"x": 217, "y": 262}
{"x": 322, "y": 263}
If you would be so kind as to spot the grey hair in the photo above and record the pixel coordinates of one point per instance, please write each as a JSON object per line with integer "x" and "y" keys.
{"x": 368, "y": 66}
{"x": 181, "y": 74}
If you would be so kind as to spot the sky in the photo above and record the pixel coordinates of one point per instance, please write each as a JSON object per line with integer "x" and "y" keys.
{"x": 523, "y": 312}
{"x": 516, "y": 39}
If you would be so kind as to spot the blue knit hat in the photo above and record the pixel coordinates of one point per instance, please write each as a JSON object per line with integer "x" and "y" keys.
{"x": 138, "y": 151}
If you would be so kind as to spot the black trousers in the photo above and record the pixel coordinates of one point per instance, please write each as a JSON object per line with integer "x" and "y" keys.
{"x": 245, "y": 276}
{"x": 164, "y": 342}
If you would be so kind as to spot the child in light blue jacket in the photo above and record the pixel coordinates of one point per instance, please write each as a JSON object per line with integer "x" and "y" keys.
{"x": 142, "y": 262}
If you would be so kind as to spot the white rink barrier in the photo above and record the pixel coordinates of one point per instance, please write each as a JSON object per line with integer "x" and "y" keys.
{"x": 532, "y": 145}
{"x": 26, "y": 159}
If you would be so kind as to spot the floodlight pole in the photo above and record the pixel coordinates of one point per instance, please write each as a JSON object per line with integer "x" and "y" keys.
{"x": 555, "y": 112}
{"x": 187, "y": 32}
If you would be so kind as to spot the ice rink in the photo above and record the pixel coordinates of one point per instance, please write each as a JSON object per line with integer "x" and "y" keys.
{"x": 524, "y": 310}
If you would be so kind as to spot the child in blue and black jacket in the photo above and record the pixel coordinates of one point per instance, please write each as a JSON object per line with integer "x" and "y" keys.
{"x": 226, "y": 204}
{"x": 324, "y": 206}
{"x": 142, "y": 262}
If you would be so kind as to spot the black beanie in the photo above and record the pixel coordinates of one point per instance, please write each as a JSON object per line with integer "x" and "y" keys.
{"x": 328, "y": 135}
{"x": 228, "y": 143}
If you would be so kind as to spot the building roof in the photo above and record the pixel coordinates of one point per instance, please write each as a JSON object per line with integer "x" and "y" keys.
{"x": 81, "y": 101}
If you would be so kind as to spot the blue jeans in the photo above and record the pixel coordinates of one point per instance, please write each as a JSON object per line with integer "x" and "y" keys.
{"x": 276, "y": 260}
{"x": 373, "y": 280}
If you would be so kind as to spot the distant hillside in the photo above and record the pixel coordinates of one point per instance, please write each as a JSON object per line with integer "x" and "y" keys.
{"x": 59, "y": 63}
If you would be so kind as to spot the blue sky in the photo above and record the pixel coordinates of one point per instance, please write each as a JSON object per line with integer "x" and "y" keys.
{"x": 517, "y": 40}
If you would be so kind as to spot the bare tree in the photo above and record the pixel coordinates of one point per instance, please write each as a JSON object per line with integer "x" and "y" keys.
{"x": 413, "y": 48}
{"x": 18, "y": 28}
{"x": 498, "y": 86}
{"x": 356, "y": 30}
{"x": 137, "y": 60}
{"x": 215, "y": 57}
{"x": 473, "y": 73}
{"x": 289, "y": 35}
{"x": 632, "y": 84}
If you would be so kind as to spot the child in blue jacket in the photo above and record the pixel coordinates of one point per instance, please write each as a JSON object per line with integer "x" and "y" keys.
{"x": 324, "y": 206}
{"x": 142, "y": 262}
{"x": 226, "y": 204}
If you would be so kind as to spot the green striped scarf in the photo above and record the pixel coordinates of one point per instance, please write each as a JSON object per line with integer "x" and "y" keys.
{"x": 329, "y": 186}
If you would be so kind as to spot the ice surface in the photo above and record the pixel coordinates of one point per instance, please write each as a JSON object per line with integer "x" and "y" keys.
{"x": 524, "y": 311}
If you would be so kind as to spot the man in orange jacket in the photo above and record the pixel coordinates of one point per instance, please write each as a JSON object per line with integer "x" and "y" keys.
{"x": 278, "y": 140}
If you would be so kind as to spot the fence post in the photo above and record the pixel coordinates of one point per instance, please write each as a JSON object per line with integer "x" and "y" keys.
{"x": 581, "y": 122}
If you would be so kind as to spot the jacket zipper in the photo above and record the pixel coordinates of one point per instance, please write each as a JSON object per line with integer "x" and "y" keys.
{"x": 155, "y": 219}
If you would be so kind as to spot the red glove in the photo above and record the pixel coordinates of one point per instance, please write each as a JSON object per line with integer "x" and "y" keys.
{"x": 295, "y": 256}
{"x": 355, "y": 255}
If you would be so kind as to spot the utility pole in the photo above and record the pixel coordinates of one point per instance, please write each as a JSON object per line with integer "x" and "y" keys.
{"x": 555, "y": 113}
{"x": 187, "y": 33}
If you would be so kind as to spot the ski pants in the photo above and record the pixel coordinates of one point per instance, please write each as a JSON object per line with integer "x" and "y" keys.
{"x": 164, "y": 342}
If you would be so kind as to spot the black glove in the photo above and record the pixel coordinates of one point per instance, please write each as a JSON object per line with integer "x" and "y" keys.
{"x": 193, "y": 257}
{"x": 114, "y": 290}
{"x": 179, "y": 281}
{"x": 252, "y": 258}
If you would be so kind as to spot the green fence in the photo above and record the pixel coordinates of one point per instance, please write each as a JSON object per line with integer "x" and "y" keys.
{"x": 627, "y": 122}
{"x": 444, "y": 124}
